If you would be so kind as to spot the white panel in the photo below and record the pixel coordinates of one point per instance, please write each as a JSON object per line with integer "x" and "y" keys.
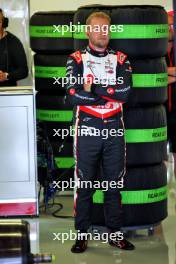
{"x": 17, "y": 147}
{"x": 14, "y": 154}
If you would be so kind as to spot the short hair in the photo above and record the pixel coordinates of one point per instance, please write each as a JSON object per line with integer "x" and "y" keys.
{"x": 98, "y": 14}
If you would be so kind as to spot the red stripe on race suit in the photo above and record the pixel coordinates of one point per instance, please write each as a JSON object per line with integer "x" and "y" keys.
{"x": 100, "y": 115}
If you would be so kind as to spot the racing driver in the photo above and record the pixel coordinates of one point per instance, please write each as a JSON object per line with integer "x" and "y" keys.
{"x": 98, "y": 107}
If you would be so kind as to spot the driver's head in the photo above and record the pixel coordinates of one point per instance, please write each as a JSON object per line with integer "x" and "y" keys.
{"x": 98, "y": 25}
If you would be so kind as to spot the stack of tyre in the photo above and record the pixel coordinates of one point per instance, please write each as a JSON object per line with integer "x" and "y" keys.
{"x": 142, "y": 33}
{"x": 52, "y": 41}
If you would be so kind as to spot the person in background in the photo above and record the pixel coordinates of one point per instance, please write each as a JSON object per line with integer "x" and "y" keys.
{"x": 171, "y": 103}
{"x": 13, "y": 62}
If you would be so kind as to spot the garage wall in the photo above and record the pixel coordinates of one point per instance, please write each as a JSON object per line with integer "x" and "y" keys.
{"x": 53, "y": 5}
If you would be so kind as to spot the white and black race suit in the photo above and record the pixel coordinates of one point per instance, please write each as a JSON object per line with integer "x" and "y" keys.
{"x": 94, "y": 113}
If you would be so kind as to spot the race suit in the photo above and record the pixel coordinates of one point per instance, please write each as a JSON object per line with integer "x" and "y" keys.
{"x": 97, "y": 111}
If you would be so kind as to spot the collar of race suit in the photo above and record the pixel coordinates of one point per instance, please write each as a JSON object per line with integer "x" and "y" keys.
{"x": 96, "y": 53}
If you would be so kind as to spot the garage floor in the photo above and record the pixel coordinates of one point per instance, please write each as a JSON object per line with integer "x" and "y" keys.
{"x": 157, "y": 249}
